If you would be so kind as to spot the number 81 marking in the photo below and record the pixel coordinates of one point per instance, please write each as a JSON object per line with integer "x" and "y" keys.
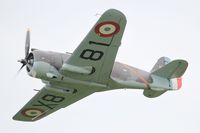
{"x": 90, "y": 54}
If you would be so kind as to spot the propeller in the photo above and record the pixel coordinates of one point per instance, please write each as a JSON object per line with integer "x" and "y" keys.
{"x": 25, "y": 61}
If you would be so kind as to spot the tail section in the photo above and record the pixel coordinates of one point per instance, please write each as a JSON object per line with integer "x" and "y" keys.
{"x": 173, "y": 72}
{"x": 166, "y": 75}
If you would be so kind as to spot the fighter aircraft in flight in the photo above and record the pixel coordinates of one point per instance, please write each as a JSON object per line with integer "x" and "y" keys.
{"x": 69, "y": 77}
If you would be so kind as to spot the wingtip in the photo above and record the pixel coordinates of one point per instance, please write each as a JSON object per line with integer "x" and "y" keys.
{"x": 23, "y": 120}
{"x": 15, "y": 118}
{"x": 115, "y": 11}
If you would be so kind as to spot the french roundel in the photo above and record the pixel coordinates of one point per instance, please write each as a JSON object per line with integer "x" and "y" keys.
{"x": 107, "y": 29}
{"x": 32, "y": 112}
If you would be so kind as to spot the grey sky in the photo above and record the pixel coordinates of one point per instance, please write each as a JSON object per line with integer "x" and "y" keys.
{"x": 155, "y": 28}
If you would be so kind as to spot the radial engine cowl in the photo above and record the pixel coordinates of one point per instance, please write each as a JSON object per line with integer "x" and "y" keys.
{"x": 43, "y": 70}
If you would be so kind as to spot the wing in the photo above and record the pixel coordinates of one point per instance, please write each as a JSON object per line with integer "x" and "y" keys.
{"x": 47, "y": 101}
{"x": 93, "y": 59}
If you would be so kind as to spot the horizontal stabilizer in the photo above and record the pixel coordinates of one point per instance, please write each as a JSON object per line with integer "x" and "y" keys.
{"x": 152, "y": 94}
{"x": 173, "y": 69}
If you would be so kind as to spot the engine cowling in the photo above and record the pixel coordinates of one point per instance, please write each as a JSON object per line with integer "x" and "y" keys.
{"x": 45, "y": 64}
{"x": 43, "y": 70}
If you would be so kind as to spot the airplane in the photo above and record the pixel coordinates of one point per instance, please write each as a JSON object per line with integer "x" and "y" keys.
{"x": 69, "y": 77}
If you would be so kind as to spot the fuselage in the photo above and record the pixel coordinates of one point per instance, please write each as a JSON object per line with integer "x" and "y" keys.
{"x": 47, "y": 67}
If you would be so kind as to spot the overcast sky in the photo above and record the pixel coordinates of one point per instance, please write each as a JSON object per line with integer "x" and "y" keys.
{"x": 169, "y": 28}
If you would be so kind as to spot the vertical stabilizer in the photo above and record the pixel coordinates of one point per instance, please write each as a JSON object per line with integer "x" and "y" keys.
{"x": 160, "y": 63}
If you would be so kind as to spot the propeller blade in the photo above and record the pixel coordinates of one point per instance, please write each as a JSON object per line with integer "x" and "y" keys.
{"x": 27, "y": 43}
{"x": 23, "y": 61}
{"x": 27, "y": 47}
{"x": 19, "y": 70}
{"x": 22, "y": 67}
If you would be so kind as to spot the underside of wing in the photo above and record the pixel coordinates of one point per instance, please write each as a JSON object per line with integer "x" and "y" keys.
{"x": 93, "y": 59}
{"x": 47, "y": 101}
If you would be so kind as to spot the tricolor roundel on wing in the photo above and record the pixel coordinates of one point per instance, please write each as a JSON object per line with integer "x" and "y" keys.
{"x": 32, "y": 112}
{"x": 107, "y": 28}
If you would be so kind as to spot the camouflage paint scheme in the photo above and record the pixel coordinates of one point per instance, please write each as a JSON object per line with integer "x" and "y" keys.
{"x": 69, "y": 77}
